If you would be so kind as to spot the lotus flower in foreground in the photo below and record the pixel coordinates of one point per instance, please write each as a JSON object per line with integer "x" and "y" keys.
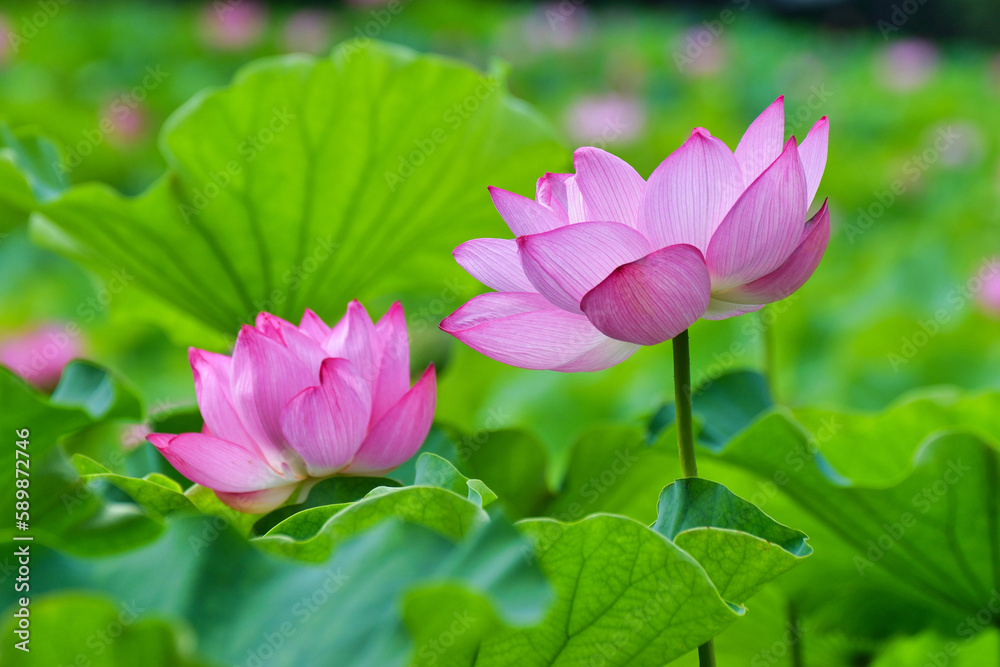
{"x": 604, "y": 261}
{"x": 297, "y": 404}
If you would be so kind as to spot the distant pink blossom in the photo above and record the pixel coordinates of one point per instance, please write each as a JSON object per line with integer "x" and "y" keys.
{"x": 128, "y": 120}
{"x": 295, "y": 404}
{"x": 700, "y": 52}
{"x": 907, "y": 64}
{"x": 604, "y": 261}
{"x": 554, "y": 25}
{"x": 988, "y": 294}
{"x": 994, "y": 71}
{"x": 229, "y": 25}
{"x": 962, "y": 143}
{"x": 307, "y": 31}
{"x": 40, "y": 354}
{"x": 606, "y": 119}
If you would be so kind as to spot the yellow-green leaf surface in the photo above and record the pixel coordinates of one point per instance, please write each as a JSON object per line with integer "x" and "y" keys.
{"x": 313, "y": 181}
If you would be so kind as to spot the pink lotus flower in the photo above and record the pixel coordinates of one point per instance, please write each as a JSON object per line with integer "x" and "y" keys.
{"x": 907, "y": 64}
{"x": 605, "y": 262}
{"x": 988, "y": 294}
{"x": 127, "y": 118}
{"x": 606, "y": 119}
{"x": 229, "y": 26}
{"x": 39, "y": 355}
{"x": 307, "y": 31}
{"x": 555, "y": 25}
{"x": 296, "y": 404}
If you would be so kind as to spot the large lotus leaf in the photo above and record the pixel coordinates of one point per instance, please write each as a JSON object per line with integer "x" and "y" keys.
{"x": 630, "y": 595}
{"x": 29, "y": 173}
{"x": 614, "y": 469}
{"x": 898, "y": 431}
{"x": 312, "y": 534}
{"x": 434, "y": 470}
{"x": 309, "y": 182}
{"x": 64, "y": 511}
{"x": 88, "y": 386}
{"x": 352, "y": 610}
{"x": 624, "y": 595}
{"x": 154, "y": 492}
{"x": 330, "y": 491}
{"x": 78, "y": 629}
{"x": 208, "y": 503}
{"x": 722, "y": 407}
{"x": 740, "y": 547}
{"x": 607, "y": 469}
{"x": 512, "y": 463}
{"x": 933, "y": 650}
{"x": 901, "y": 507}
{"x": 918, "y": 553}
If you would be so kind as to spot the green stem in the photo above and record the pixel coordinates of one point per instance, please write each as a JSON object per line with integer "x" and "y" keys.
{"x": 706, "y": 654}
{"x": 767, "y": 334}
{"x": 793, "y": 623}
{"x": 685, "y": 442}
{"x": 682, "y": 404}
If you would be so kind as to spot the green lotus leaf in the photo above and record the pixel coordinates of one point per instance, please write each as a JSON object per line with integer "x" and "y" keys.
{"x": 310, "y": 182}
{"x": 313, "y": 534}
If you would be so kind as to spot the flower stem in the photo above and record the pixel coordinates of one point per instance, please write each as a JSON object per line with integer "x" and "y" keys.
{"x": 795, "y": 629}
{"x": 767, "y": 333}
{"x": 682, "y": 404}
{"x": 706, "y": 654}
{"x": 685, "y": 442}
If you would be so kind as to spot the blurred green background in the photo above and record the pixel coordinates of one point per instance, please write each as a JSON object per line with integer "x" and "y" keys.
{"x": 634, "y": 79}
{"x": 913, "y": 177}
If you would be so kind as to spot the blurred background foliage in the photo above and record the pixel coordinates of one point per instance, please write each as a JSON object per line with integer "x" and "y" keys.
{"x": 912, "y": 90}
{"x": 634, "y": 79}
{"x": 907, "y": 110}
